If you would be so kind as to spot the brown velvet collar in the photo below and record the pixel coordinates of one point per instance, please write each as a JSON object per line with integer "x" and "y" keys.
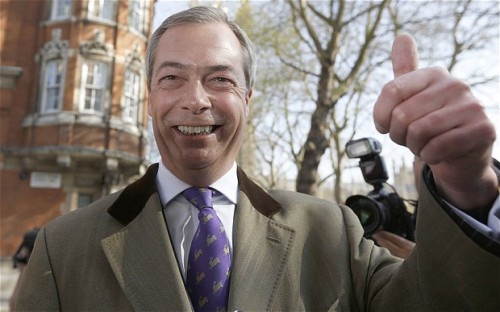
{"x": 133, "y": 198}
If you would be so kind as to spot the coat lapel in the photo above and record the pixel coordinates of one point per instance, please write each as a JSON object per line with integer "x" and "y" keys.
{"x": 144, "y": 262}
{"x": 142, "y": 257}
{"x": 261, "y": 251}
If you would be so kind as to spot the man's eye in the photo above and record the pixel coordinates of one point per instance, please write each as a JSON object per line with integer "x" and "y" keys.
{"x": 169, "y": 77}
{"x": 222, "y": 82}
{"x": 169, "y": 82}
{"x": 221, "y": 79}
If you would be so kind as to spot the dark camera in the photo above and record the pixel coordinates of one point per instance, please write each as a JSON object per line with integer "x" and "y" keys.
{"x": 380, "y": 209}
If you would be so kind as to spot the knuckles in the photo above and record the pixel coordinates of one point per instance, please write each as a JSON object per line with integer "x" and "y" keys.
{"x": 418, "y": 135}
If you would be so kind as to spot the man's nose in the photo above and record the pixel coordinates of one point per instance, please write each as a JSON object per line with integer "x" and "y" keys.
{"x": 198, "y": 99}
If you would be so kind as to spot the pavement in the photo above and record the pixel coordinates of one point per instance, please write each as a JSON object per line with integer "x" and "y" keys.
{"x": 8, "y": 279}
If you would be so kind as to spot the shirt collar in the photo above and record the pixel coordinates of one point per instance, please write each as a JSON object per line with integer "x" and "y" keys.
{"x": 169, "y": 186}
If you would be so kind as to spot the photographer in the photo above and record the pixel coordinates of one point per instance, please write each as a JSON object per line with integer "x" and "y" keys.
{"x": 397, "y": 234}
{"x": 398, "y": 245}
{"x": 382, "y": 208}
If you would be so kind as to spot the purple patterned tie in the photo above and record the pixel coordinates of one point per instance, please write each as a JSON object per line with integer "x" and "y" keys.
{"x": 209, "y": 260}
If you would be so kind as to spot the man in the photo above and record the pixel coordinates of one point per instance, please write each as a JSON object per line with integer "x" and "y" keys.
{"x": 289, "y": 251}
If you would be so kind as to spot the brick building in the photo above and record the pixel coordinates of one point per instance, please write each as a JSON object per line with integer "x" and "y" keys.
{"x": 72, "y": 106}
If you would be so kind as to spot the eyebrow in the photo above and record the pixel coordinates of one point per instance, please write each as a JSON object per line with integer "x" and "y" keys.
{"x": 214, "y": 68}
{"x": 171, "y": 64}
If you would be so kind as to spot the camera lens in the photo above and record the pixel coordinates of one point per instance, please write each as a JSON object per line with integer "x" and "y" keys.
{"x": 369, "y": 212}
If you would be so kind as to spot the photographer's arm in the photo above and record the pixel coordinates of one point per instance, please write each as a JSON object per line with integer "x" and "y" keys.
{"x": 397, "y": 245}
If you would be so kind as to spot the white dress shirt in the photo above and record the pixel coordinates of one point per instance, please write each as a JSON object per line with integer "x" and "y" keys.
{"x": 182, "y": 217}
{"x": 492, "y": 226}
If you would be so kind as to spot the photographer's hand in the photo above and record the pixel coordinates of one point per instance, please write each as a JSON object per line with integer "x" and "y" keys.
{"x": 436, "y": 116}
{"x": 397, "y": 245}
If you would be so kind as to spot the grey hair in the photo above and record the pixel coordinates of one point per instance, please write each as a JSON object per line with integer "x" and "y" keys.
{"x": 203, "y": 14}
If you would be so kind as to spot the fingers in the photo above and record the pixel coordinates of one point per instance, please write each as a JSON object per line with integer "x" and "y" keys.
{"x": 444, "y": 134}
{"x": 469, "y": 141}
{"x": 432, "y": 112}
{"x": 393, "y": 239}
{"x": 416, "y": 89}
{"x": 426, "y": 114}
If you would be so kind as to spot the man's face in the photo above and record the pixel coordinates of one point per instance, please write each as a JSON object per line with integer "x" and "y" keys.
{"x": 198, "y": 101}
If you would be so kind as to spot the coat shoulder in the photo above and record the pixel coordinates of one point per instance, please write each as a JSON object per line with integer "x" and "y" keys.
{"x": 303, "y": 201}
{"x": 301, "y": 209}
{"x": 85, "y": 218}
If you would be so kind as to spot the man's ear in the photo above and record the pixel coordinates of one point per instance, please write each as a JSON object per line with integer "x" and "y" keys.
{"x": 149, "y": 106}
{"x": 247, "y": 102}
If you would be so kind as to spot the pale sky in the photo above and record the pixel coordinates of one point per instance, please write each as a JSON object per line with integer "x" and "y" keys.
{"x": 393, "y": 153}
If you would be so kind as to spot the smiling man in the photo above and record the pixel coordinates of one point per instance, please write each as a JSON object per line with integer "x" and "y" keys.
{"x": 195, "y": 233}
{"x": 199, "y": 101}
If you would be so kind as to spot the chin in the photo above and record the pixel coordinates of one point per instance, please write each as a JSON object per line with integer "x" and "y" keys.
{"x": 196, "y": 163}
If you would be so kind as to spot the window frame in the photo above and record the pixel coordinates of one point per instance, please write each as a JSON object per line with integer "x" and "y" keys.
{"x": 66, "y": 5}
{"x": 138, "y": 15}
{"x": 102, "y": 9}
{"x": 84, "y": 199}
{"x": 96, "y": 86}
{"x": 58, "y": 85}
{"x": 131, "y": 100}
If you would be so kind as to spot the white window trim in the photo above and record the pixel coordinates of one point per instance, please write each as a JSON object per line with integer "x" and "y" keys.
{"x": 142, "y": 13}
{"x": 55, "y": 50}
{"x": 103, "y": 5}
{"x": 104, "y": 88}
{"x": 44, "y": 104}
{"x": 126, "y": 111}
{"x": 56, "y": 5}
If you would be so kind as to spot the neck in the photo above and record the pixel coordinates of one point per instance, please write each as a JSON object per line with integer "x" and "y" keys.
{"x": 200, "y": 177}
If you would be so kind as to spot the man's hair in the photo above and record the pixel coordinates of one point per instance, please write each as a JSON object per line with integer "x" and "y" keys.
{"x": 202, "y": 14}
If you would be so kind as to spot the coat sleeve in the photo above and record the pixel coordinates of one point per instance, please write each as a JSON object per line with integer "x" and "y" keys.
{"x": 448, "y": 270}
{"x": 37, "y": 288}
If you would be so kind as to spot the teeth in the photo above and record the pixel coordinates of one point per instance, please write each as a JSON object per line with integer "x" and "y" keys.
{"x": 195, "y": 130}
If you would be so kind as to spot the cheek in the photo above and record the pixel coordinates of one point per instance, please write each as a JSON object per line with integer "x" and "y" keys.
{"x": 159, "y": 105}
{"x": 239, "y": 112}
{"x": 153, "y": 102}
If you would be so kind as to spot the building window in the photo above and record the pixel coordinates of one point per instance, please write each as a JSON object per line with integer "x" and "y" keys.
{"x": 84, "y": 199}
{"x": 102, "y": 9}
{"x": 131, "y": 92}
{"x": 94, "y": 78}
{"x": 138, "y": 15}
{"x": 60, "y": 9}
{"x": 52, "y": 87}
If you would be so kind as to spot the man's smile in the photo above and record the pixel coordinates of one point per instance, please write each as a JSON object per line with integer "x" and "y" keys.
{"x": 189, "y": 130}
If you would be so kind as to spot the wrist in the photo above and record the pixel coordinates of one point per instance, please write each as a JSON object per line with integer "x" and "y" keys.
{"x": 476, "y": 196}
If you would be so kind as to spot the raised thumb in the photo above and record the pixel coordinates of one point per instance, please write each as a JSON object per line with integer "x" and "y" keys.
{"x": 404, "y": 55}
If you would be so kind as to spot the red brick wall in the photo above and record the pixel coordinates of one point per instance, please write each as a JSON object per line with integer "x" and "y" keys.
{"x": 33, "y": 207}
{"x": 23, "y": 32}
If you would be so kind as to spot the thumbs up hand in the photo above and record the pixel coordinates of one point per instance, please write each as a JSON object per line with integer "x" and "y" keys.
{"x": 438, "y": 119}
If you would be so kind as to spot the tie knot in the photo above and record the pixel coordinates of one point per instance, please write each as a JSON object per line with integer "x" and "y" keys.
{"x": 200, "y": 197}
